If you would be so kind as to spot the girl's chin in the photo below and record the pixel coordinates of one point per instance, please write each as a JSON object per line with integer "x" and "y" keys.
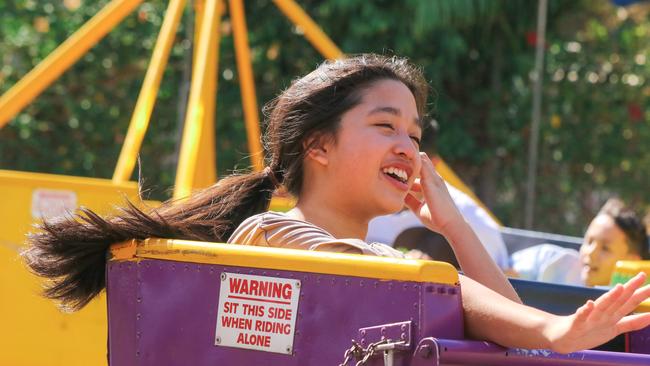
{"x": 390, "y": 208}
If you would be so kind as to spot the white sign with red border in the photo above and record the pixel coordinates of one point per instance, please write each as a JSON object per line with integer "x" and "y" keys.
{"x": 50, "y": 203}
{"x": 257, "y": 312}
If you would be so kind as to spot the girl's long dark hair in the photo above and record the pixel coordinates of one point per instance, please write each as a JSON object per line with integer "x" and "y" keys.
{"x": 71, "y": 252}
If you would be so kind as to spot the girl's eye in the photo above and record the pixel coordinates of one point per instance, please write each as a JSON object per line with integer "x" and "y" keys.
{"x": 385, "y": 125}
{"x": 416, "y": 140}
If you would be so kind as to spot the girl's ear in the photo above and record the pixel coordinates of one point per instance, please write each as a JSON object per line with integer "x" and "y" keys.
{"x": 317, "y": 148}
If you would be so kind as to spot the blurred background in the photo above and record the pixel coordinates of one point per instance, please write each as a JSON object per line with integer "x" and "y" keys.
{"x": 479, "y": 56}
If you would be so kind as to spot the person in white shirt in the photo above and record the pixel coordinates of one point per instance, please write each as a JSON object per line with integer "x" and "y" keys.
{"x": 616, "y": 233}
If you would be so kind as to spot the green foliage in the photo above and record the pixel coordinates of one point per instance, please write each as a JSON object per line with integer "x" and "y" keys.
{"x": 477, "y": 54}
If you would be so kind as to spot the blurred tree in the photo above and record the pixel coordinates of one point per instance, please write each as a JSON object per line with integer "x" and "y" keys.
{"x": 477, "y": 54}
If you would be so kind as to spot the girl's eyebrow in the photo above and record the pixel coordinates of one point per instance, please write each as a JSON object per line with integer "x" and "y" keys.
{"x": 394, "y": 111}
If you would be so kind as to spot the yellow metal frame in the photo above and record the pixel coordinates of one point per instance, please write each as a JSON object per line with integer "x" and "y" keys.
{"x": 149, "y": 91}
{"x": 382, "y": 268}
{"x": 247, "y": 84}
{"x": 77, "y": 339}
{"x": 197, "y": 161}
{"x": 64, "y": 56}
{"x": 196, "y": 108}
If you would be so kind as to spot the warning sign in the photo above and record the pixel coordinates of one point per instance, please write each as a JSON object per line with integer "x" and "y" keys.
{"x": 257, "y": 312}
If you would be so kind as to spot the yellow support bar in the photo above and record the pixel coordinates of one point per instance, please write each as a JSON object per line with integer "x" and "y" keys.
{"x": 312, "y": 31}
{"x": 205, "y": 173}
{"x": 186, "y": 169}
{"x": 358, "y": 265}
{"x": 57, "y": 62}
{"x": 247, "y": 84}
{"x": 148, "y": 92}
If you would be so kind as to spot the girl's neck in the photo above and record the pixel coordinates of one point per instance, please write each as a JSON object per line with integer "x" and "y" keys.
{"x": 339, "y": 223}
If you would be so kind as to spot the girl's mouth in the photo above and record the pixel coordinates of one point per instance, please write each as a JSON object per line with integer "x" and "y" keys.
{"x": 398, "y": 174}
{"x": 397, "y": 181}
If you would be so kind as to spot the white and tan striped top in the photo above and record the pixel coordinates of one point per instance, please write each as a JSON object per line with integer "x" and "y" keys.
{"x": 276, "y": 229}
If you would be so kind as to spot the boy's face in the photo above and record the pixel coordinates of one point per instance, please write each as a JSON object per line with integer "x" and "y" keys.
{"x": 604, "y": 244}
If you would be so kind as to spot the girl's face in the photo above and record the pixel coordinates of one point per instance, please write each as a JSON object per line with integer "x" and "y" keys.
{"x": 604, "y": 244}
{"x": 374, "y": 159}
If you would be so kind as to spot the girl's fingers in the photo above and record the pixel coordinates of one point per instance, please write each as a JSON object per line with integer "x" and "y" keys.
{"x": 611, "y": 297}
{"x": 629, "y": 288}
{"x": 413, "y": 203}
{"x": 416, "y": 186}
{"x": 584, "y": 311}
{"x": 637, "y": 298}
{"x": 428, "y": 171}
{"x": 633, "y": 322}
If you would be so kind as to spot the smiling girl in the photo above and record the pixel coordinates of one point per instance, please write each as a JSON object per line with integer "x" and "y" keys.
{"x": 344, "y": 141}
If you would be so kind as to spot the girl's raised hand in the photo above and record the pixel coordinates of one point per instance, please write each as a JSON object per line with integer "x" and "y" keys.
{"x": 436, "y": 210}
{"x": 598, "y": 321}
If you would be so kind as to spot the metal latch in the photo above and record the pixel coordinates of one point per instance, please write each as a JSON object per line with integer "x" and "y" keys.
{"x": 385, "y": 338}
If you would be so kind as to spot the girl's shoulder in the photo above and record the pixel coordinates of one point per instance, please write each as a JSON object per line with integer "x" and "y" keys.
{"x": 278, "y": 229}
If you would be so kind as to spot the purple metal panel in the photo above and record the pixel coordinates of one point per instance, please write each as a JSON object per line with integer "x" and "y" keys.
{"x": 395, "y": 332}
{"x": 639, "y": 341}
{"x": 179, "y": 310}
{"x": 440, "y": 308}
{"x": 122, "y": 297}
{"x": 432, "y": 351}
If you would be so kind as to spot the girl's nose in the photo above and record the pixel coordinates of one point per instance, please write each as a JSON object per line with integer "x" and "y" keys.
{"x": 406, "y": 147}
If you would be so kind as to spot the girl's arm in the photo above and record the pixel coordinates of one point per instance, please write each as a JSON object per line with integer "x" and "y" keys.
{"x": 490, "y": 316}
{"x": 438, "y": 212}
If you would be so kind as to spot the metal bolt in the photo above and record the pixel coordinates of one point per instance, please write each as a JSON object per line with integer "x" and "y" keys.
{"x": 424, "y": 351}
{"x": 403, "y": 327}
{"x": 403, "y": 336}
{"x": 223, "y": 276}
{"x": 383, "y": 330}
{"x": 297, "y": 284}
{"x": 289, "y": 349}
{"x": 218, "y": 340}
{"x": 363, "y": 333}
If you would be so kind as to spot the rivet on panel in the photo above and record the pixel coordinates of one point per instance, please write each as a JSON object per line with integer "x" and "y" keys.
{"x": 223, "y": 277}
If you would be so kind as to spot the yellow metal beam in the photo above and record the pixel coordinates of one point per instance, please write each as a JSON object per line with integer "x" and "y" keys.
{"x": 247, "y": 84}
{"x": 357, "y": 265}
{"x": 148, "y": 92}
{"x": 64, "y": 56}
{"x": 312, "y": 31}
{"x": 205, "y": 173}
{"x": 186, "y": 169}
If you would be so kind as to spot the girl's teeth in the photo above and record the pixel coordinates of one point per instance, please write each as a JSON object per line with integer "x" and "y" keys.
{"x": 401, "y": 174}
